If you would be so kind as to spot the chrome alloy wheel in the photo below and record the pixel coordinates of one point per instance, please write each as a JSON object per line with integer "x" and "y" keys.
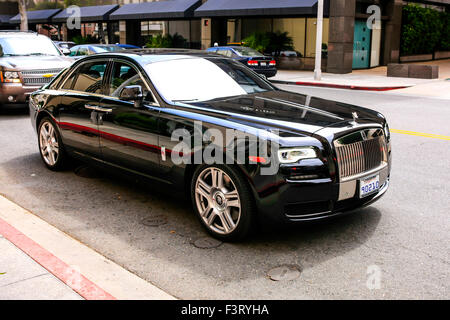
{"x": 48, "y": 142}
{"x": 217, "y": 200}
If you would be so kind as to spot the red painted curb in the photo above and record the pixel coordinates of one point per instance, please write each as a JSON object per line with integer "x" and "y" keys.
{"x": 338, "y": 86}
{"x": 75, "y": 280}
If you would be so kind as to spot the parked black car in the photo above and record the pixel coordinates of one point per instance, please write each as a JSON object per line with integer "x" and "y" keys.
{"x": 250, "y": 57}
{"x": 302, "y": 158}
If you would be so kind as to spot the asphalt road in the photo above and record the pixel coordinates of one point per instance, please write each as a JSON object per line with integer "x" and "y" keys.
{"x": 396, "y": 249}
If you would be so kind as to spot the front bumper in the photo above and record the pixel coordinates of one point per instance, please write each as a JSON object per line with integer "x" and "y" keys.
{"x": 298, "y": 201}
{"x": 15, "y": 93}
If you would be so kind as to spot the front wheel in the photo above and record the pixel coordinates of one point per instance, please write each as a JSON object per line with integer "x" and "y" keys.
{"x": 222, "y": 201}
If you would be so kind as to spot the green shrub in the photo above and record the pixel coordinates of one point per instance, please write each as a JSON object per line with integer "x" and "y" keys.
{"x": 269, "y": 42}
{"x": 279, "y": 41}
{"x": 424, "y": 30}
{"x": 84, "y": 40}
{"x": 258, "y": 41}
{"x": 167, "y": 41}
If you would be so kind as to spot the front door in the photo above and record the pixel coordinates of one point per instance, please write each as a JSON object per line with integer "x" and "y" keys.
{"x": 129, "y": 132}
{"x": 361, "y": 45}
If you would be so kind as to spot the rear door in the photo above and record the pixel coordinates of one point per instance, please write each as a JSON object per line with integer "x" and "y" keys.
{"x": 78, "y": 113}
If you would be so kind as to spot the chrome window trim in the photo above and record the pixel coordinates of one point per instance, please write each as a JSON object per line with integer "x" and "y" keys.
{"x": 61, "y": 85}
{"x": 155, "y": 103}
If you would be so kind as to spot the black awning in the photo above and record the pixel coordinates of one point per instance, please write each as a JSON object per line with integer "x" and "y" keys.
{"x": 88, "y": 14}
{"x": 37, "y": 16}
{"x": 242, "y": 8}
{"x": 166, "y": 9}
{"x": 4, "y": 19}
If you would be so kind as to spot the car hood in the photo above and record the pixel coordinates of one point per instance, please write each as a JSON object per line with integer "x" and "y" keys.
{"x": 35, "y": 62}
{"x": 290, "y": 112}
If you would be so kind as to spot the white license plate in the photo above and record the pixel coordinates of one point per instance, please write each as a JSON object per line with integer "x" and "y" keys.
{"x": 369, "y": 185}
{"x": 263, "y": 64}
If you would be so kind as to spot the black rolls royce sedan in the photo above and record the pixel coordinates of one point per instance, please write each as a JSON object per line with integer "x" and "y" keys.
{"x": 240, "y": 147}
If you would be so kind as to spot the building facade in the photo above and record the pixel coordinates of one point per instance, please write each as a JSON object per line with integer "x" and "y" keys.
{"x": 357, "y": 34}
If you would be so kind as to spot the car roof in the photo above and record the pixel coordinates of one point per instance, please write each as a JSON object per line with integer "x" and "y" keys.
{"x": 15, "y": 33}
{"x": 147, "y": 56}
{"x": 227, "y": 47}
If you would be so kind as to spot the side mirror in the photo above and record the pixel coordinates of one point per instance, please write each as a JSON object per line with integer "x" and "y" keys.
{"x": 65, "y": 51}
{"x": 132, "y": 93}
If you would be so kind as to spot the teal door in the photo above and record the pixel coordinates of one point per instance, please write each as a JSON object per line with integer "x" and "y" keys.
{"x": 361, "y": 45}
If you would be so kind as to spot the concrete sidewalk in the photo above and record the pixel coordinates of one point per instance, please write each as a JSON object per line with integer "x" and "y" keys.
{"x": 22, "y": 278}
{"x": 367, "y": 79}
{"x": 40, "y": 262}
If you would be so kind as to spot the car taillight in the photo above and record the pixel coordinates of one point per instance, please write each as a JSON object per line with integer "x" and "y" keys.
{"x": 252, "y": 63}
{"x": 272, "y": 63}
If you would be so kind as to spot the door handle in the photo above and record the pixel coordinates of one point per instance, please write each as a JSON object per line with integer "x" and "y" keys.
{"x": 97, "y": 108}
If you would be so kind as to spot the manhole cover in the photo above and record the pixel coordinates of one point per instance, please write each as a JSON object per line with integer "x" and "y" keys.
{"x": 284, "y": 273}
{"x": 154, "y": 221}
{"x": 86, "y": 172}
{"x": 207, "y": 243}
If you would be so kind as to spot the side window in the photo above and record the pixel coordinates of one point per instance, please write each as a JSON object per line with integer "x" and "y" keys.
{"x": 68, "y": 83}
{"x": 83, "y": 51}
{"x": 124, "y": 75}
{"x": 89, "y": 77}
{"x": 222, "y": 52}
{"x": 228, "y": 53}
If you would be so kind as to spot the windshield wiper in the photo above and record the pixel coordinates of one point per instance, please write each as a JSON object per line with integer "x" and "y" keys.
{"x": 38, "y": 54}
{"x": 185, "y": 100}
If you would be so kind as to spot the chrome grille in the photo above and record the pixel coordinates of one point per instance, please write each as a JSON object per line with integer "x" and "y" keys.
{"x": 36, "y": 77}
{"x": 40, "y": 72}
{"x": 360, "y": 152}
{"x": 36, "y": 81}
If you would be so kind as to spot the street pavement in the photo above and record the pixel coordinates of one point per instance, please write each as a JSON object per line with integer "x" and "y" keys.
{"x": 395, "y": 249}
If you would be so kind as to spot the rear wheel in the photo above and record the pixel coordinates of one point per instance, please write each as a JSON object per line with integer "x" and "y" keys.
{"x": 222, "y": 201}
{"x": 50, "y": 145}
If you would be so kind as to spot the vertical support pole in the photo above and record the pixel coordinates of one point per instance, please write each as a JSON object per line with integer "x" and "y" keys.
{"x": 317, "y": 69}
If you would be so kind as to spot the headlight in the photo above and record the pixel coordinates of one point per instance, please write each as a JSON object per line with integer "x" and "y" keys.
{"x": 387, "y": 133}
{"x": 9, "y": 76}
{"x": 292, "y": 155}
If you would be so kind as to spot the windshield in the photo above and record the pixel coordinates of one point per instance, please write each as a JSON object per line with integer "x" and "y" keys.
{"x": 26, "y": 46}
{"x": 201, "y": 79}
{"x": 247, "y": 52}
{"x": 99, "y": 49}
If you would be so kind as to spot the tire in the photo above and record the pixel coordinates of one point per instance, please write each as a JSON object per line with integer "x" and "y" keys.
{"x": 51, "y": 147}
{"x": 222, "y": 201}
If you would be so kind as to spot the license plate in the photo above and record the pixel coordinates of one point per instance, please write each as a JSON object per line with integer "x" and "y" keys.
{"x": 263, "y": 64}
{"x": 369, "y": 185}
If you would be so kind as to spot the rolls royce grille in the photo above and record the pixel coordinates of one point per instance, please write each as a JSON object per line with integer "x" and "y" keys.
{"x": 361, "y": 156}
